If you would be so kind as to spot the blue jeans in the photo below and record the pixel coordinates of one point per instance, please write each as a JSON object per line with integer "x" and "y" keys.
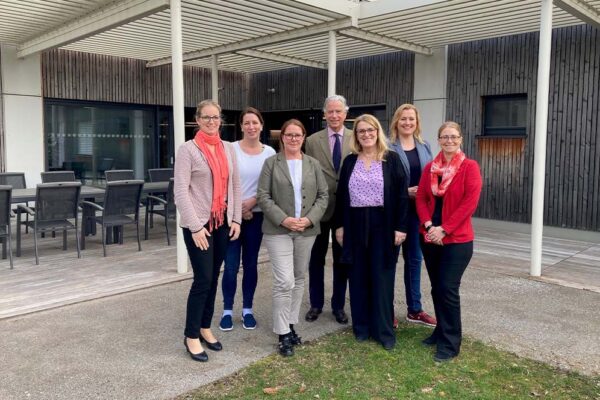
{"x": 248, "y": 244}
{"x": 411, "y": 252}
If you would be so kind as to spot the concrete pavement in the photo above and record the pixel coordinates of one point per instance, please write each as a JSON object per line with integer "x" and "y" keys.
{"x": 129, "y": 346}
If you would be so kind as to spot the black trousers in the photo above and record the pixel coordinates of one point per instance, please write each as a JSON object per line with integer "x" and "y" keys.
{"x": 206, "y": 265}
{"x": 316, "y": 270}
{"x": 372, "y": 279}
{"x": 445, "y": 266}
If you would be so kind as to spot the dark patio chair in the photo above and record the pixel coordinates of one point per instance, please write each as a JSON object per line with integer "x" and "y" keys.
{"x": 157, "y": 175}
{"x": 121, "y": 207}
{"x": 17, "y": 181}
{"x": 160, "y": 174}
{"x": 5, "y": 214}
{"x": 166, "y": 209}
{"x": 55, "y": 205}
{"x": 58, "y": 176}
{"x": 119, "y": 175}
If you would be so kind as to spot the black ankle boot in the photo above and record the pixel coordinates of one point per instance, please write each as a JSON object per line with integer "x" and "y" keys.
{"x": 296, "y": 340}
{"x": 286, "y": 348}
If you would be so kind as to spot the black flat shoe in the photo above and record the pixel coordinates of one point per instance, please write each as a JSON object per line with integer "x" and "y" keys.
{"x": 216, "y": 346}
{"x": 313, "y": 314}
{"x": 295, "y": 339}
{"x": 389, "y": 346}
{"x": 429, "y": 341}
{"x": 340, "y": 316}
{"x": 361, "y": 338}
{"x": 202, "y": 357}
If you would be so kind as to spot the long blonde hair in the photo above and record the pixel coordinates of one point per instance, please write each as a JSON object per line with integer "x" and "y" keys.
{"x": 394, "y": 135}
{"x": 381, "y": 144}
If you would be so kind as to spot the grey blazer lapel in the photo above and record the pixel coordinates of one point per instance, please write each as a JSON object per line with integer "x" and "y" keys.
{"x": 346, "y": 144}
{"x": 398, "y": 149}
{"x": 282, "y": 165}
{"x": 324, "y": 145}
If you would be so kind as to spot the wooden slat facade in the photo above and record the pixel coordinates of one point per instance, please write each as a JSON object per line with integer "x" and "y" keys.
{"x": 508, "y": 65}
{"x": 384, "y": 79}
{"x": 95, "y": 77}
{"x": 2, "y": 139}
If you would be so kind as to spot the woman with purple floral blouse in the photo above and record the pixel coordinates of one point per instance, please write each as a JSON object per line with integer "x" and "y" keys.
{"x": 370, "y": 217}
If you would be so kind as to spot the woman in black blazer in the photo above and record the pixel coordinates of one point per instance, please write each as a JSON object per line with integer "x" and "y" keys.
{"x": 370, "y": 217}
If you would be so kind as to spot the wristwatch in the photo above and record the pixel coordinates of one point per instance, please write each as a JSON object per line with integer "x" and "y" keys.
{"x": 427, "y": 228}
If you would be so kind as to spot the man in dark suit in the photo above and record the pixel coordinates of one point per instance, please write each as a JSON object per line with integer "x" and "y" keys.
{"x": 329, "y": 146}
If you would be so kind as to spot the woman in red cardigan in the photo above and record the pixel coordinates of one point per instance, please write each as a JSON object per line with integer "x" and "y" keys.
{"x": 446, "y": 199}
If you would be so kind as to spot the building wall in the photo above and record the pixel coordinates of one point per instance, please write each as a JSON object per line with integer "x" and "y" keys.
{"x": 2, "y": 145}
{"x": 384, "y": 79}
{"x": 509, "y": 65}
{"x": 95, "y": 77}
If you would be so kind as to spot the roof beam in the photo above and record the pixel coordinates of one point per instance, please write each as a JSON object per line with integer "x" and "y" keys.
{"x": 265, "y": 55}
{"x": 285, "y": 36}
{"x": 341, "y": 7}
{"x": 116, "y": 14}
{"x": 387, "y": 41}
{"x": 581, "y": 10}
{"x": 381, "y": 7}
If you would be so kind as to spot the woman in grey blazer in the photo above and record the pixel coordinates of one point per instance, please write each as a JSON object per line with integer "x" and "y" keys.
{"x": 415, "y": 153}
{"x": 292, "y": 193}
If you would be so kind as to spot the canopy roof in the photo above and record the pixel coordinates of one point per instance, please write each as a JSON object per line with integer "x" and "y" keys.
{"x": 262, "y": 35}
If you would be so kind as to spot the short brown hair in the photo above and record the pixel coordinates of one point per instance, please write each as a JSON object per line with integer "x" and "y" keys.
{"x": 286, "y": 125}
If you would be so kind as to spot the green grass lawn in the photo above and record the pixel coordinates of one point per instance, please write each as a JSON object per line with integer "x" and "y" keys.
{"x": 338, "y": 367}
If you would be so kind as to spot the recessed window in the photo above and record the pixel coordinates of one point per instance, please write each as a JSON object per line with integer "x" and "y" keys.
{"x": 505, "y": 115}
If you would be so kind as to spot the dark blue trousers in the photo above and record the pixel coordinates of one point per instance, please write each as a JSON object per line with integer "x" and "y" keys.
{"x": 411, "y": 253}
{"x": 316, "y": 270}
{"x": 248, "y": 246}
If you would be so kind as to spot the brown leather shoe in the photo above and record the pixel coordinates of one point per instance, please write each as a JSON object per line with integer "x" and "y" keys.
{"x": 313, "y": 314}
{"x": 340, "y": 316}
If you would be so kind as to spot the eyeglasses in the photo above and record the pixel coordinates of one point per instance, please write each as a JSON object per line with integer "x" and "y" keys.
{"x": 445, "y": 138}
{"x": 365, "y": 131}
{"x": 208, "y": 118}
{"x": 292, "y": 136}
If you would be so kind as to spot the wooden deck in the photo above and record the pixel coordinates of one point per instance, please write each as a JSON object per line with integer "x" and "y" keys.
{"x": 62, "y": 278}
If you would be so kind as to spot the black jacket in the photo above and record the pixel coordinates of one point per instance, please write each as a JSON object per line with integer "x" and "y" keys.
{"x": 395, "y": 205}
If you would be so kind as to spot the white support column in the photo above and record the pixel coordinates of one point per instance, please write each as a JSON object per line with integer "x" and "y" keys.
{"x": 214, "y": 75}
{"x": 331, "y": 65}
{"x": 541, "y": 128}
{"x": 23, "y": 113}
{"x": 178, "y": 112}
{"x": 430, "y": 93}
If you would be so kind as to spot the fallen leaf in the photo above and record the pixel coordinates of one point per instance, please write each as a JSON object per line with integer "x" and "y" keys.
{"x": 441, "y": 394}
{"x": 302, "y": 388}
{"x": 270, "y": 390}
{"x": 427, "y": 390}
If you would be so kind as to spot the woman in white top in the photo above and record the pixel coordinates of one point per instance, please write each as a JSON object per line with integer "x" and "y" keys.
{"x": 250, "y": 154}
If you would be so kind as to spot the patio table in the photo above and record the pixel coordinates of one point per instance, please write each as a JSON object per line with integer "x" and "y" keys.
{"x": 89, "y": 193}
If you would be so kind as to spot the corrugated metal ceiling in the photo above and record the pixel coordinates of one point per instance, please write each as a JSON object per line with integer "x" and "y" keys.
{"x": 209, "y": 23}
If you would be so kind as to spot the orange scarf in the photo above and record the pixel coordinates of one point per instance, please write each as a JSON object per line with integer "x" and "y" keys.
{"x": 217, "y": 161}
{"x": 447, "y": 172}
